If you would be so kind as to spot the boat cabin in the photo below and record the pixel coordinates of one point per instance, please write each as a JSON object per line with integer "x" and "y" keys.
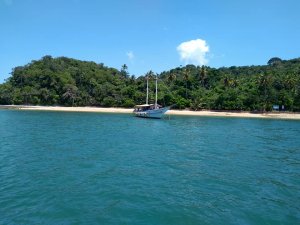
{"x": 145, "y": 107}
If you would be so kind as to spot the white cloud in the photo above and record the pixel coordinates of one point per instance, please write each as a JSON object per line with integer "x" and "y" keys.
{"x": 130, "y": 55}
{"x": 194, "y": 52}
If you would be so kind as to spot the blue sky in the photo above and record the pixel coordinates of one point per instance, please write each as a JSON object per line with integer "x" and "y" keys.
{"x": 149, "y": 34}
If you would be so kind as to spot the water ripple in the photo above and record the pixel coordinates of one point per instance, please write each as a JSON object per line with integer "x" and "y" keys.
{"x": 79, "y": 168}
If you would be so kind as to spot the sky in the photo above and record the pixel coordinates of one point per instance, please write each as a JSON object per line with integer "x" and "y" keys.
{"x": 148, "y": 35}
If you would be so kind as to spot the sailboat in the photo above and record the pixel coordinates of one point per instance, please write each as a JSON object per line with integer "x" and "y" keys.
{"x": 150, "y": 110}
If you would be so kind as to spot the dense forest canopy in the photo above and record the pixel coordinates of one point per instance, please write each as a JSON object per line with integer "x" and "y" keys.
{"x": 71, "y": 82}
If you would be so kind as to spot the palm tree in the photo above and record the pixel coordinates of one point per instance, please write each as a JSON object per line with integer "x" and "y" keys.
{"x": 124, "y": 71}
{"x": 226, "y": 81}
{"x": 290, "y": 82}
{"x": 186, "y": 76}
{"x": 230, "y": 82}
{"x": 70, "y": 93}
{"x": 203, "y": 76}
{"x": 171, "y": 76}
{"x": 150, "y": 74}
{"x": 124, "y": 67}
{"x": 264, "y": 82}
{"x": 45, "y": 94}
{"x": 28, "y": 91}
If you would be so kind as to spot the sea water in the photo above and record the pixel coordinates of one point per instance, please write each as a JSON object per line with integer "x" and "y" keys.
{"x": 93, "y": 168}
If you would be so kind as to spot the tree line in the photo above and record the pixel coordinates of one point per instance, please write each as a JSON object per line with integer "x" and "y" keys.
{"x": 70, "y": 82}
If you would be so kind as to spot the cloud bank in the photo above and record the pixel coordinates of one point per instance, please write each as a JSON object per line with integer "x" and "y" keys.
{"x": 194, "y": 52}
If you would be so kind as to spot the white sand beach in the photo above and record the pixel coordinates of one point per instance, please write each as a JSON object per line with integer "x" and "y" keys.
{"x": 273, "y": 115}
{"x": 76, "y": 109}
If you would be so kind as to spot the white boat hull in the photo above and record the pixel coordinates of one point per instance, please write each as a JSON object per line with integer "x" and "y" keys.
{"x": 152, "y": 113}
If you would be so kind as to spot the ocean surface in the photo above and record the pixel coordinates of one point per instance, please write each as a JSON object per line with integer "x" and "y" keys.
{"x": 93, "y": 168}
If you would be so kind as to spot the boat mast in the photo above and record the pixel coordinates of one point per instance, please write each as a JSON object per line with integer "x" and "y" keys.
{"x": 155, "y": 92}
{"x": 147, "y": 90}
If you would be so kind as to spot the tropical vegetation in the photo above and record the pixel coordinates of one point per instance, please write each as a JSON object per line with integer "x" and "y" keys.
{"x": 70, "y": 82}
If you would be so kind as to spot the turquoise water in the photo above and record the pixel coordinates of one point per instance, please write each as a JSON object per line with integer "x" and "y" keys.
{"x": 89, "y": 168}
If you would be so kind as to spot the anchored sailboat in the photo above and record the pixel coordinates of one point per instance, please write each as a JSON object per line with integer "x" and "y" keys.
{"x": 150, "y": 110}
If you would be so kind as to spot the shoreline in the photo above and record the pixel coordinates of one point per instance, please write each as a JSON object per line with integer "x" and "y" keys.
{"x": 207, "y": 113}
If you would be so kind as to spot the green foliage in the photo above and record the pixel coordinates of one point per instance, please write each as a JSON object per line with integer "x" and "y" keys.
{"x": 70, "y": 82}
{"x": 129, "y": 103}
{"x": 274, "y": 61}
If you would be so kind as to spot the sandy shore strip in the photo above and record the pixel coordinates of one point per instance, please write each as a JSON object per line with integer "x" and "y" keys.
{"x": 292, "y": 116}
{"x": 273, "y": 115}
{"x": 68, "y": 109}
